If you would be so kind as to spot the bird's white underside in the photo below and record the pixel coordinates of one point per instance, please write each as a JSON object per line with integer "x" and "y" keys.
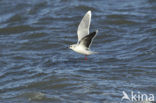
{"x": 82, "y": 50}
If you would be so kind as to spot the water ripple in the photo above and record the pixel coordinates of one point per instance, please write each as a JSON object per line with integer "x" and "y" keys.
{"x": 37, "y": 66}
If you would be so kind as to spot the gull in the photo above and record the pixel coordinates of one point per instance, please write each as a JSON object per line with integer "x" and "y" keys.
{"x": 84, "y": 37}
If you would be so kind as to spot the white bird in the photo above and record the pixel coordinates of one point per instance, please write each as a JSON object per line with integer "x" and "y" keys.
{"x": 84, "y": 37}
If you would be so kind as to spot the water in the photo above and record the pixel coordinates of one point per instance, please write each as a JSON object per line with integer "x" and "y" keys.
{"x": 37, "y": 67}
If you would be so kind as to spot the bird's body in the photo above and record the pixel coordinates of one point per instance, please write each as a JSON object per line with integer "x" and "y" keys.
{"x": 82, "y": 49}
{"x": 84, "y": 37}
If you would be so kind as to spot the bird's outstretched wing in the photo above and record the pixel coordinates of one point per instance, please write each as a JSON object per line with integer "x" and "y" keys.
{"x": 83, "y": 28}
{"x": 87, "y": 40}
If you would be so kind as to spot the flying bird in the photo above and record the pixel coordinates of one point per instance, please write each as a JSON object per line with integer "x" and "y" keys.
{"x": 84, "y": 37}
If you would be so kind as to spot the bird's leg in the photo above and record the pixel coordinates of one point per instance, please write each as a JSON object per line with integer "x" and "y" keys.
{"x": 85, "y": 57}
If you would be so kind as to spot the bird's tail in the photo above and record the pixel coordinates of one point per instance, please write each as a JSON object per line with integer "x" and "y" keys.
{"x": 94, "y": 52}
